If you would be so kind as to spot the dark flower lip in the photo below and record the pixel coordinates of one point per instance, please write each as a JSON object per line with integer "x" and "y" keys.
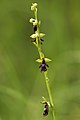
{"x": 35, "y": 28}
{"x": 43, "y": 65}
{"x": 46, "y": 109}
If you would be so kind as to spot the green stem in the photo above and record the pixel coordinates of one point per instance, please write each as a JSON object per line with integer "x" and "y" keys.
{"x": 45, "y": 73}
{"x": 48, "y": 90}
{"x": 49, "y": 93}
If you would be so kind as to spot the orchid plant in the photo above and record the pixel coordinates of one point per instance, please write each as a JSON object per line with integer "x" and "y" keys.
{"x": 37, "y": 40}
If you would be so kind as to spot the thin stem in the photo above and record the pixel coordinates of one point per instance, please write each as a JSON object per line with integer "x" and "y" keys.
{"x": 46, "y": 77}
{"x": 49, "y": 93}
{"x": 45, "y": 73}
{"x": 48, "y": 90}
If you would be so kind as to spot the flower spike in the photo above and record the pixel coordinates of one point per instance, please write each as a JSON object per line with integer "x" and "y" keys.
{"x": 38, "y": 40}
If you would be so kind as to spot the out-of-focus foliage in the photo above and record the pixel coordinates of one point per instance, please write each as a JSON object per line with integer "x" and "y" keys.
{"x": 21, "y": 83}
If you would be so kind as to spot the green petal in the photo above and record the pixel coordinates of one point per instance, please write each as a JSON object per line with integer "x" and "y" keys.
{"x": 33, "y": 35}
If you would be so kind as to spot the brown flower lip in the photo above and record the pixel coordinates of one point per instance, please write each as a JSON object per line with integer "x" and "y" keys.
{"x": 35, "y": 28}
{"x": 43, "y": 65}
{"x": 46, "y": 109}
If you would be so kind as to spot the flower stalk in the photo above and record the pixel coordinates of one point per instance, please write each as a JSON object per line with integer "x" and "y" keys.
{"x": 38, "y": 41}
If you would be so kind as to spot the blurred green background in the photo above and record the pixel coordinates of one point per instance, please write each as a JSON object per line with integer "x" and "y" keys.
{"x": 21, "y": 83}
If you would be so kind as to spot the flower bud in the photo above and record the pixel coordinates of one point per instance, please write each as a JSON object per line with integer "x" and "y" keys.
{"x": 33, "y": 7}
{"x": 32, "y": 20}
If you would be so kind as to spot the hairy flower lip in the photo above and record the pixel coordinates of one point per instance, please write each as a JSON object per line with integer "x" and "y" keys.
{"x": 35, "y": 28}
{"x": 43, "y": 65}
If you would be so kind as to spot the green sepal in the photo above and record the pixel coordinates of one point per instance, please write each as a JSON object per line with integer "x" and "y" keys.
{"x": 39, "y": 60}
{"x": 47, "y": 59}
{"x": 34, "y": 35}
{"x": 42, "y": 35}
